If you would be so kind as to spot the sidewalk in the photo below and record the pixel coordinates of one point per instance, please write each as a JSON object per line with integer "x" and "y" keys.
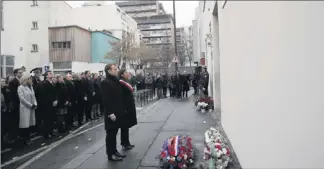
{"x": 165, "y": 118}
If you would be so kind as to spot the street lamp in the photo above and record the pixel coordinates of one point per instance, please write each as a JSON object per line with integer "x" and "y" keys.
{"x": 175, "y": 31}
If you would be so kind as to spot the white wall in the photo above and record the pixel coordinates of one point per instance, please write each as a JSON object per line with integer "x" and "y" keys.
{"x": 13, "y": 37}
{"x": 103, "y": 17}
{"x": 83, "y": 66}
{"x": 272, "y": 67}
{"x": 18, "y": 18}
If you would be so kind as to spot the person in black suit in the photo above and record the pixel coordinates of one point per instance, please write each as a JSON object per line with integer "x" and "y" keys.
{"x": 36, "y": 86}
{"x": 96, "y": 98}
{"x": 72, "y": 98}
{"x": 114, "y": 110}
{"x": 80, "y": 98}
{"x": 90, "y": 93}
{"x": 15, "y": 102}
{"x": 130, "y": 119}
{"x": 48, "y": 104}
{"x": 63, "y": 103}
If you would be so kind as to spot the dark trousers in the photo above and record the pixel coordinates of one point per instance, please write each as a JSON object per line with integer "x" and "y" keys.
{"x": 49, "y": 120}
{"x": 124, "y": 136}
{"x": 80, "y": 108}
{"x": 184, "y": 93}
{"x": 111, "y": 141}
{"x": 14, "y": 123}
{"x": 25, "y": 133}
{"x": 88, "y": 109}
{"x": 164, "y": 91}
{"x": 39, "y": 118}
{"x": 70, "y": 115}
{"x": 206, "y": 90}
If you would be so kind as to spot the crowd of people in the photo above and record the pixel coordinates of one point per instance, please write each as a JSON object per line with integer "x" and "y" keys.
{"x": 29, "y": 104}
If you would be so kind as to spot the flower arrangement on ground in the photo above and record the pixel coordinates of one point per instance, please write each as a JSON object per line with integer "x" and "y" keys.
{"x": 177, "y": 153}
{"x": 204, "y": 103}
{"x": 202, "y": 106}
{"x": 216, "y": 152}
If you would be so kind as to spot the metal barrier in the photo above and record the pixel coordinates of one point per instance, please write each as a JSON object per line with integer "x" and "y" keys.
{"x": 143, "y": 96}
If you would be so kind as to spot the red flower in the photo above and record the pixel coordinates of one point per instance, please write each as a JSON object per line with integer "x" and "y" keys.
{"x": 228, "y": 152}
{"x": 163, "y": 154}
{"x": 218, "y": 147}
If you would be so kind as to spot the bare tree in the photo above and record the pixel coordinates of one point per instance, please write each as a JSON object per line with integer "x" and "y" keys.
{"x": 127, "y": 51}
{"x": 165, "y": 53}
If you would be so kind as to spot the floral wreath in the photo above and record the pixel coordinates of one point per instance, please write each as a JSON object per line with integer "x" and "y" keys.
{"x": 177, "y": 153}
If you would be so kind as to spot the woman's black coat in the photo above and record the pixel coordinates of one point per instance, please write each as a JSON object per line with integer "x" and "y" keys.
{"x": 96, "y": 85}
{"x": 111, "y": 94}
{"x": 62, "y": 94}
{"x": 186, "y": 86}
{"x": 129, "y": 103}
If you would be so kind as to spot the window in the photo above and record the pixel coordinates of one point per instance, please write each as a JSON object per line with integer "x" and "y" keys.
{"x": 61, "y": 45}
{"x": 68, "y": 44}
{"x": 7, "y": 65}
{"x": 34, "y": 48}
{"x": 34, "y": 3}
{"x": 35, "y": 25}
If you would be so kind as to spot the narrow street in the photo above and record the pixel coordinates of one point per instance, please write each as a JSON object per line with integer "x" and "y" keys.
{"x": 156, "y": 122}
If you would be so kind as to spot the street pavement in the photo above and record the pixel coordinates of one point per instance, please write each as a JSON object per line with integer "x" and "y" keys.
{"x": 156, "y": 122}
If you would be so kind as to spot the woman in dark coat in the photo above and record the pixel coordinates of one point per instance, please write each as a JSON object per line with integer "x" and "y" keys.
{"x": 63, "y": 103}
{"x": 128, "y": 101}
{"x": 185, "y": 85}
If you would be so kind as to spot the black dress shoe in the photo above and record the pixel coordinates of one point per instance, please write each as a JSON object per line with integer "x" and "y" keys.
{"x": 119, "y": 154}
{"x": 125, "y": 148}
{"x": 115, "y": 158}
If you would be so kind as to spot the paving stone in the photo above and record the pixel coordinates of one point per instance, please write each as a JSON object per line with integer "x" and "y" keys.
{"x": 142, "y": 138}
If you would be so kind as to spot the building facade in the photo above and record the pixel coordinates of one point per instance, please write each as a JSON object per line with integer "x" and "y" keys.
{"x": 155, "y": 25}
{"x": 97, "y": 16}
{"x": 25, "y": 33}
{"x": 266, "y": 71}
{"x": 184, "y": 45}
{"x": 137, "y": 9}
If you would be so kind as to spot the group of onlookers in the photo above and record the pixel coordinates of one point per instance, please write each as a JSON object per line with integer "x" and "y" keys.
{"x": 47, "y": 104}
{"x": 177, "y": 83}
{"x": 31, "y": 105}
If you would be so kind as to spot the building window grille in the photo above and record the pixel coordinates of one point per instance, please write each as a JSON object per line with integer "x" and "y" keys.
{"x": 34, "y": 25}
{"x": 61, "y": 45}
{"x": 34, "y": 3}
{"x": 34, "y": 48}
{"x": 7, "y": 65}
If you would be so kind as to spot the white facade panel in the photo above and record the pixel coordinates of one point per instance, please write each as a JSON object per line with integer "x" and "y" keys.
{"x": 271, "y": 64}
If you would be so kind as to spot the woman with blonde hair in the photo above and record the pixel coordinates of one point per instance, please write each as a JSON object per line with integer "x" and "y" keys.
{"x": 28, "y": 104}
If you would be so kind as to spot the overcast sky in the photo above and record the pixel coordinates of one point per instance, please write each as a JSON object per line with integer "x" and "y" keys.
{"x": 185, "y": 10}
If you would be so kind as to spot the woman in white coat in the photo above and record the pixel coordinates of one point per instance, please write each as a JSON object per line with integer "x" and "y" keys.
{"x": 28, "y": 105}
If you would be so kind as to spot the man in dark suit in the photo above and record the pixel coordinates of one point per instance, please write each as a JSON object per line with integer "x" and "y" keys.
{"x": 88, "y": 86}
{"x": 72, "y": 98}
{"x": 15, "y": 102}
{"x": 48, "y": 104}
{"x": 114, "y": 111}
{"x": 36, "y": 86}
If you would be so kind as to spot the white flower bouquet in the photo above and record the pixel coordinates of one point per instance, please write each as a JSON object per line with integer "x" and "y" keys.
{"x": 202, "y": 106}
{"x": 216, "y": 152}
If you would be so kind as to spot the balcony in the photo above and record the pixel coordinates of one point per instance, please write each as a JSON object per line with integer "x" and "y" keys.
{"x": 155, "y": 34}
{"x": 156, "y": 19}
{"x": 153, "y": 42}
{"x": 154, "y": 27}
